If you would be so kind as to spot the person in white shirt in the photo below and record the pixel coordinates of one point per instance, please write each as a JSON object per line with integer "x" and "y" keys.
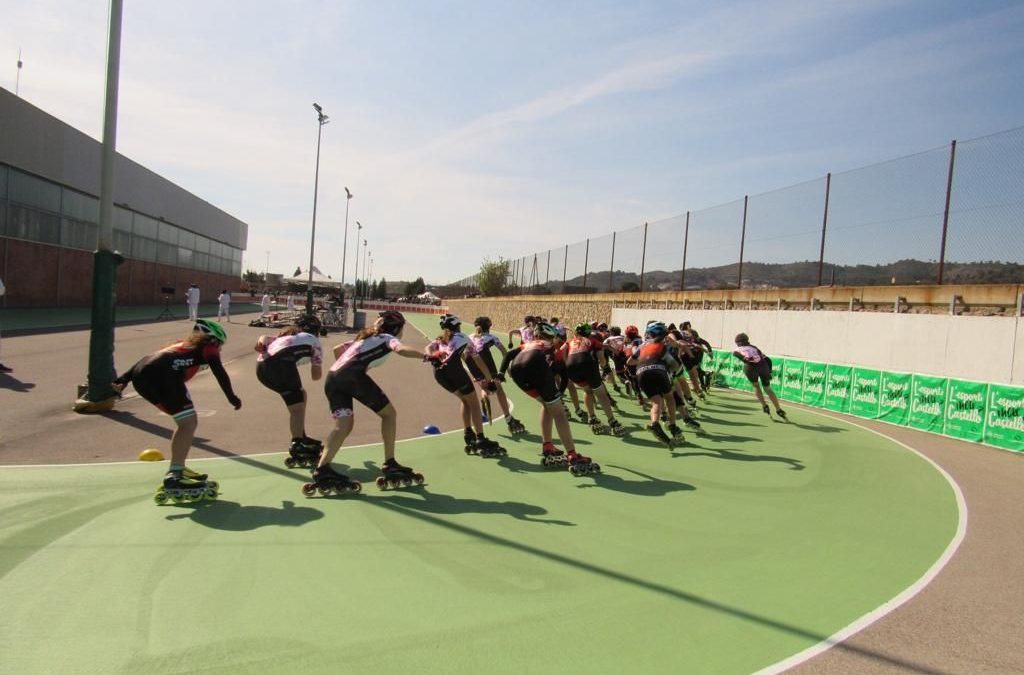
{"x": 3, "y": 368}
{"x": 265, "y": 304}
{"x": 291, "y": 303}
{"x": 192, "y": 296}
{"x": 224, "y": 306}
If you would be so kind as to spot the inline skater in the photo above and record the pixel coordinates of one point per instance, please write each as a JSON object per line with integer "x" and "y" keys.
{"x": 653, "y": 367}
{"x": 482, "y": 342}
{"x": 629, "y": 349}
{"x": 584, "y": 363}
{"x": 160, "y": 379}
{"x": 758, "y": 369}
{"x": 447, "y": 354}
{"x": 614, "y": 351}
{"x": 348, "y": 379}
{"x": 277, "y": 369}
{"x": 525, "y": 332}
{"x": 530, "y": 368}
{"x": 704, "y": 347}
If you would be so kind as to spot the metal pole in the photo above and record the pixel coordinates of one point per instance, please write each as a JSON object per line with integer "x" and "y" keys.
{"x": 686, "y": 241}
{"x": 355, "y": 275}
{"x": 344, "y": 241}
{"x": 586, "y": 261}
{"x": 611, "y": 267}
{"x": 547, "y": 275}
{"x": 945, "y": 213}
{"x": 565, "y": 263}
{"x": 100, "y": 395}
{"x": 363, "y": 294}
{"x": 743, "y": 239}
{"x": 321, "y": 121}
{"x": 643, "y": 258}
{"x": 824, "y": 226}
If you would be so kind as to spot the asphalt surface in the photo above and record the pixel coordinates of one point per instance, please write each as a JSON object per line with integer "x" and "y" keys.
{"x": 37, "y": 425}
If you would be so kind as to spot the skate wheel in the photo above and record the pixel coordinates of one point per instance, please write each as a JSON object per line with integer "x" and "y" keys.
{"x": 381, "y": 483}
{"x": 393, "y": 483}
{"x": 596, "y": 468}
{"x": 574, "y": 471}
{"x": 324, "y": 491}
{"x": 309, "y": 489}
{"x": 406, "y": 482}
{"x": 289, "y": 462}
{"x": 210, "y": 493}
{"x": 469, "y": 451}
{"x": 160, "y": 498}
{"x": 418, "y": 478}
{"x": 355, "y": 488}
{"x": 213, "y": 485}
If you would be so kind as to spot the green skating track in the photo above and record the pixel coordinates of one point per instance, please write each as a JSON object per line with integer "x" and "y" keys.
{"x": 726, "y": 555}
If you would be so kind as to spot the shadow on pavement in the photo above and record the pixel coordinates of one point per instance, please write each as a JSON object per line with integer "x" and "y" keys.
{"x": 14, "y": 384}
{"x": 232, "y": 516}
{"x": 650, "y": 487}
{"x": 724, "y": 423}
{"x": 727, "y": 438}
{"x": 794, "y": 464}
{"x": 423, "y": 500}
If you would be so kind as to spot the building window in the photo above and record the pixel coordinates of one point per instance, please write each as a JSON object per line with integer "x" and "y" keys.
{"x": 33, "y": 225}
{"x": 32, "y": 191}
{"x": 79, "y": 234}
{"x": 143, "y": 249}
{"x": 80, "y": 207}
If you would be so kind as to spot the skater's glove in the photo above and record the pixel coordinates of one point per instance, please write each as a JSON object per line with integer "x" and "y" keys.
{"x": 235, "y": 401}
{"x": 491, "y": 385}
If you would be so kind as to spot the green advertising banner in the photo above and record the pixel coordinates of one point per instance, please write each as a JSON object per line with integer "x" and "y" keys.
{"x": 894, "y": 398}
{"x": 838, "y": 383}
{"x": 864, "y": 392}
{"x": 792, "y": 380}
{"x": 778, "y": 365}
{"x": 815, "y": 375}
{"x": 965, "y": 410}
{"x": 1004, "y": 417}
{"x": 927, "y": 403}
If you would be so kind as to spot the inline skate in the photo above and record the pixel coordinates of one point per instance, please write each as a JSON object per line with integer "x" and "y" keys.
{"x": 598, "y": 427}
{"x": 583, "y": 416}
{"x": 515, "y": 427}
{"x": 485, "y": 447}
{"x": 327, "y": 481}
{"x": 195, "y": 475}
{"x": 181, "y": 490}
{"x": 677, "y": 433}
{"x": 304, "y": 453}
{"x": 691, "y": 422}
{"x": 580, "y": 465}
{"x": 616, "y": 428}
{"x": 782, "y": 413}
{"x": 550, "y": 456}
{"x": 394, "y": 474}
{"x": 659, "y": 433}
{"x": 766, "y": 409}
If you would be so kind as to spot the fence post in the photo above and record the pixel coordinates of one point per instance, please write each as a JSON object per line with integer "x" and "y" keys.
{"x": 547, "y": 275}
{"x": 611, "y": 267}
{"x": 945, "y": 213}
{"x": 824, "y": 226}
{"x": 686, "y": 238}
{"x": 565, "y": 262}
{"x": 643, "y": 259}
{"x": 743, "y": 239}
{"x": 586, "y": 261}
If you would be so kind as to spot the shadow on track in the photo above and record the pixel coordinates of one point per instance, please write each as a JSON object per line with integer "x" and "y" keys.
{"x": 232, "y": 516}
{"x": 716, "y": 453}
{"x": 14, "y": 384}
{"x": 650, "y": 487}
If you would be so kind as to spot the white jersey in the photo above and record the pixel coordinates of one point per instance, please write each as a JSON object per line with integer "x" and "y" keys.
{"x": 296, "y": 348}
{"x": 367, "y": 353}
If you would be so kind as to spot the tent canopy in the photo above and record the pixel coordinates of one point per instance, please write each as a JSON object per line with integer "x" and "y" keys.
{"x": 320, "y": 280}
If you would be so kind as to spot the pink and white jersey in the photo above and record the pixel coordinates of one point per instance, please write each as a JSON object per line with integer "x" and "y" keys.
{"x": 294, "y": 348}
{"x": 367, "y": 353}
{"x": 615, "y": 343}
{"x": 525, "y": 335}
{"x": 454, "y": 347}
{"x": 483, "y": 342}
{"x": 749, "y": 353}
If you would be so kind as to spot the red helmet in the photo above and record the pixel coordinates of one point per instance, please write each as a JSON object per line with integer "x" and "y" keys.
{"x": 632, "y": 331}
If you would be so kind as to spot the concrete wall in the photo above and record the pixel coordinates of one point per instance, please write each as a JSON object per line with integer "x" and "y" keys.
{"x": 986, "y": 349}
{"x": 39, "y": 143}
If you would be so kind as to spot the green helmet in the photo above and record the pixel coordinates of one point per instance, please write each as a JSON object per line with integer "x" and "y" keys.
{"x": 545, "y": 330}
{"x": 211, "y": 328}
{"x": 583, "y": 329}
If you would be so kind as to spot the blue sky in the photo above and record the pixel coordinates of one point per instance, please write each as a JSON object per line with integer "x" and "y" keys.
{"x": 473, "y": 129}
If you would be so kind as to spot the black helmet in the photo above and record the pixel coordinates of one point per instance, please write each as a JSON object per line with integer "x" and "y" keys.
{"x": 309, "y": 323}
{"x": 451, "y": 322}
{"x": 742, "y": 339}
{"x": 529, "y": 319}
{"x": 615, "y": 330}
{"x": 602, "y": 326}
{"x": 483, "y": 321}
{"x": 391, "y": 322}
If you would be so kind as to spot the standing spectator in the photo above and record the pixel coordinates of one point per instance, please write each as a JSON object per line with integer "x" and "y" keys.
{"x": 224, "y": 306}
{"x": 3, "y": 368}
{"x": 291, "y": 303}
{"x": 192, "y": 296}
{"x": 265, "y": 304}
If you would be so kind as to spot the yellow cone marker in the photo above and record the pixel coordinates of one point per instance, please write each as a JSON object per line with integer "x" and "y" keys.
{"x": 151, "y": 455}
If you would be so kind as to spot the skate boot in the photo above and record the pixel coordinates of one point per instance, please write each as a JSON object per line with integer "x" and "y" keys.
{"x": 487, "y": 448}
{"x": 582, "y": 414}
{"x": 469, "y": 438}
{"x": 180, "y": 490}
{"x": 598, "y": 427}
{"x": 515, "y": 427}
{"x": 195, "y": 475}
{"x": 616, "y": 428}
{"x": 689, "y": 421}
{"x": 327, "y": 481}
{"x": 617, "y": 388}
{"x": 767, "y": 410}
{"x": 579, "y": 465}
{"x": 550, "y": 456}
{"x": 304, "y": 452}
{"x": 677, "y": 433}
{"x": 659, "y": 433}
{"x": 781, "y": 413}
{"x": 394, "y": 474}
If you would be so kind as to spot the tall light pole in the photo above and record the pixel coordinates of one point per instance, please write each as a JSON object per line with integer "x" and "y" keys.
{"x": 100, "y": 395}
{"x": 371, "y": 266}
{"x": 344, "y": 242}
{"x": 355, "y": 276}
{"x": 364, "y": 269}
{"x": 266, "y": 271}
{"x": 322, "y": 119}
